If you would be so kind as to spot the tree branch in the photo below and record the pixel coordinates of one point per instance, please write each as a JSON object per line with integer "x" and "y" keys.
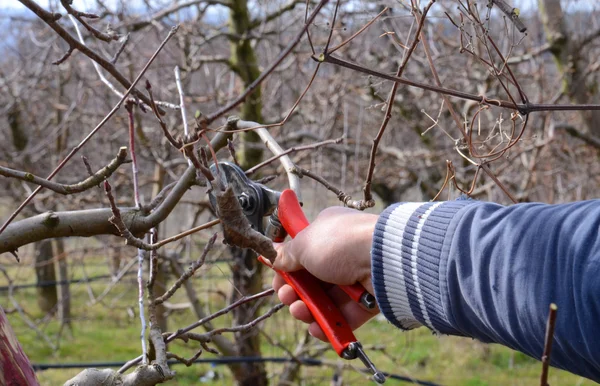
{"x": 139, "y": 24}
{"x": 90, "y": 222}
{"x": 274, "y": 15}
{"x": 189, "y": 273}
{"x": 65, "y": 189}
{"x": 107, "y": 37}
{"x": 93, "y": 222}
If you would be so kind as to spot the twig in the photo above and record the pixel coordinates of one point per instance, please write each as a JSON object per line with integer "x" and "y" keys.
{"x": 65, "y": 189}
{"x": 120, "y": 50}
{"x": 361, "y": 30}
{"x": 223, "y": 311}
{"x": 176, "y": 143}
{"x": 66, "y": 56}
{"x": 368, "y": 198}
{"x": 511, "y": 13}
{"x": 207, "y": 337}
{"x": 294, "y": 149}
{"x": 140, "y": 279}
{"x": 187, "y": 362}
{"x": 181, "y": 100}
{"x": 184, "y": 331}
{"x": 189, "y": 273}
{"x": 548, "y": 344}
{"x": 522, "y": 108}
{"x": 80, "y": 15}
{"x": 232, "y": 152}
{"x": 94, "y": 63}
{"x": 94, "y": 131}
{"x": 87, "y": 165}
{"x": 335, "y": 12}
{"x": 240, "y": 328}
{"x": 130, "y": 239}
{"x": 200, "y": 338}
{"x": 343, "y": 197}
{"x": 158, "y": 199}
{"x": 134, "y": 165}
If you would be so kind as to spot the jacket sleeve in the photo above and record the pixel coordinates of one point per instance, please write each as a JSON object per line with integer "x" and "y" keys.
{"x": 490, "y": 272}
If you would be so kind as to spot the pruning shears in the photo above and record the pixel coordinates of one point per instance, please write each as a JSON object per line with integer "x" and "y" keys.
{"x": 285, "y": 216}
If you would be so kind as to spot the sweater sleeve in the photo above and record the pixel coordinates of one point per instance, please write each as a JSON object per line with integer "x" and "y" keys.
{"x": 490, "y": 272}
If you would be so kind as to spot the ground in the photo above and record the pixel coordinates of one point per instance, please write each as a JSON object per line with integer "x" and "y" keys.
{"x": 108, "y": 331}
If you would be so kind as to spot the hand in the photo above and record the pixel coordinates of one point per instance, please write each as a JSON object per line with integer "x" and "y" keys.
{"x": 336, "y": 248}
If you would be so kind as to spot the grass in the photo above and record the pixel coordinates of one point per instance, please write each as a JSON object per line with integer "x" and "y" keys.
{"x": 108, "y": 332}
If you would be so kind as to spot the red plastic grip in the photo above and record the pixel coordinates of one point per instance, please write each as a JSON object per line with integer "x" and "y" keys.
{"x": 322, "y": 308}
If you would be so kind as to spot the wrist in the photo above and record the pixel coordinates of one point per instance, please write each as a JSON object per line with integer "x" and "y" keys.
{"x": 364, "y": 238}
{"x": 409, "y": 263}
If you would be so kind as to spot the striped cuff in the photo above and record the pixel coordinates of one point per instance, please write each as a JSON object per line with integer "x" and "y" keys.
{"x": 407, "y": 252}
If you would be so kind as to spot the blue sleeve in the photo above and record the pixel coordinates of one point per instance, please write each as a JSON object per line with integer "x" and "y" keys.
{"x": 490, "y": 272}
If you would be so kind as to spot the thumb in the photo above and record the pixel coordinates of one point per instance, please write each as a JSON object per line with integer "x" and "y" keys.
{"x": 286, "y": 260}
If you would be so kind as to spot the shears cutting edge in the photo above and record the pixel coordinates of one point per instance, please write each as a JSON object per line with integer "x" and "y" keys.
{"x": 286, "y": 217}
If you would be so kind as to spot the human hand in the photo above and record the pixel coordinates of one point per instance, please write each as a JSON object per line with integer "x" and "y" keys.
{"x": 335, "y": 248}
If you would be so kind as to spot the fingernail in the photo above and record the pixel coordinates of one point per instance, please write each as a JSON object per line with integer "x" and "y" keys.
{"x": 265, "y": 261}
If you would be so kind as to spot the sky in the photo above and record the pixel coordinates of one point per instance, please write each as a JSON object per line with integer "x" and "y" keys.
{"x": 13, "y": 6}
{"x": 84, "y": 4}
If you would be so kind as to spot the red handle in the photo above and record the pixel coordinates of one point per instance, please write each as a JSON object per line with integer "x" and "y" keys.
{"x": 322, "y": 308}
{"x": 293, "y": 220}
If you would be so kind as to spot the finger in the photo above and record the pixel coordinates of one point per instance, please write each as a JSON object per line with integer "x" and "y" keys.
{"x": 278, "y": 282}
{"x": 287, "y": 295}
{"x": 315, "y": 330}
{"x": 299, "y": 311}
{"x": 355, "y": 314}
{"x": 286, "y": 260}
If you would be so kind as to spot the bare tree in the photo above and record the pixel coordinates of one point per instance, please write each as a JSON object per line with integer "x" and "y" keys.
{"x": 425, "y": 100}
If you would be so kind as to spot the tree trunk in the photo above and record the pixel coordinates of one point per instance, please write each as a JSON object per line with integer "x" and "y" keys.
{"x": 568, "y": 57}
{"x": 247, "y": 272}
{"x": 64, "y": 306}
{"x": 46, "y": 277}
{"x": 243, "y": 62}
{"x": 15, "y": 368}
{"x": 247, "y": 278}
